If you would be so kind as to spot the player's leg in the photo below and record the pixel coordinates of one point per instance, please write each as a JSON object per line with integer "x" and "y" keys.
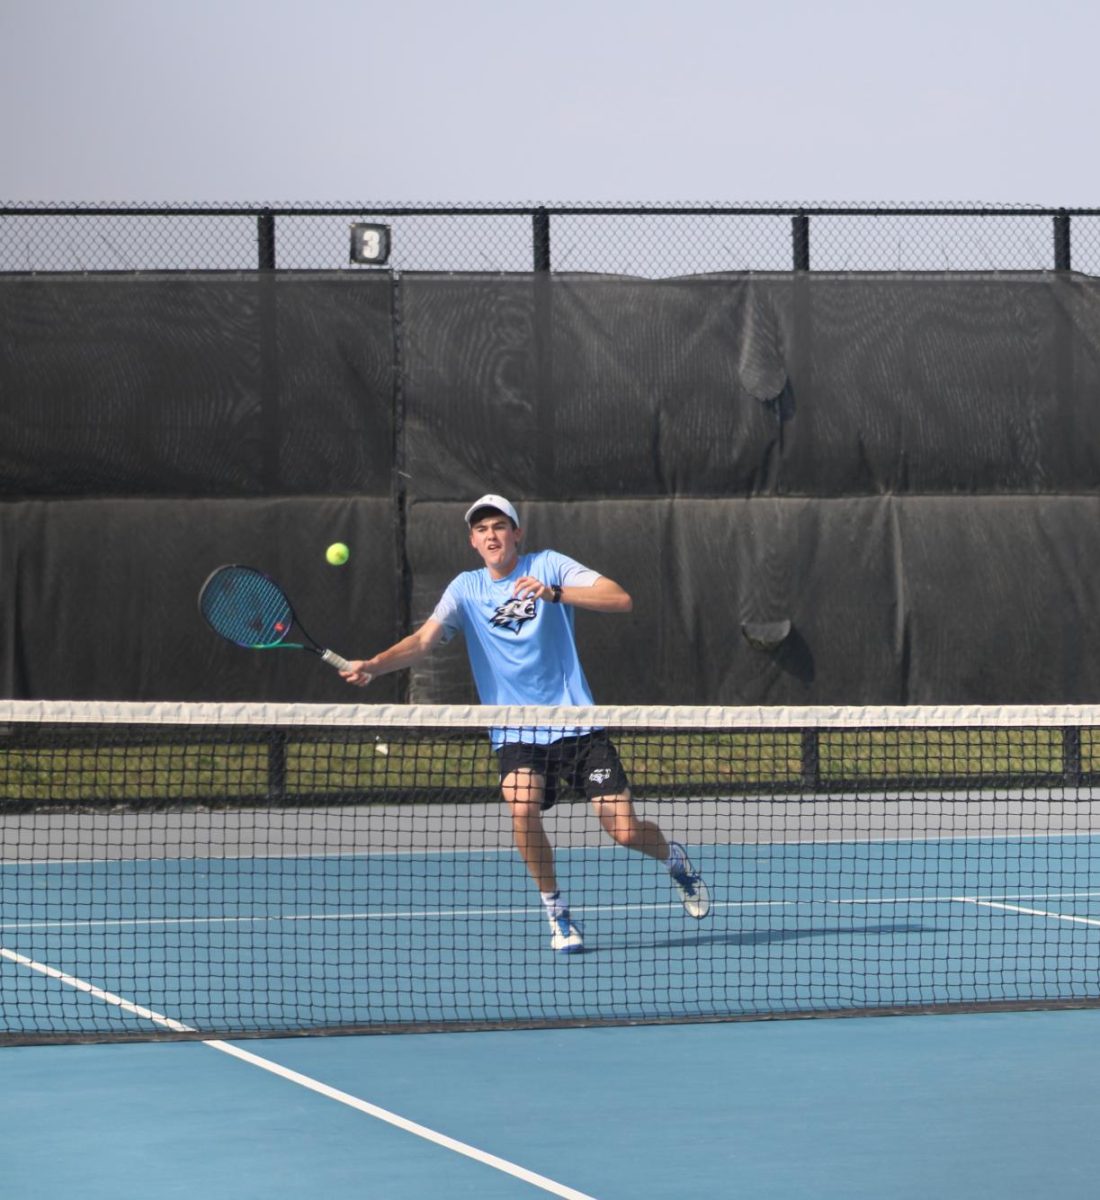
{"x": 620, "y": 821}
{"x": 617, "y": 817}
{"x": 596, "y": 769}
{"x": 600, "y": 772}
{"x": 524, "y": 790}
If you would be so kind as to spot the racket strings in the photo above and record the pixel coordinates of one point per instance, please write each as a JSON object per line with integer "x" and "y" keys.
{"x": 246, "y": 607}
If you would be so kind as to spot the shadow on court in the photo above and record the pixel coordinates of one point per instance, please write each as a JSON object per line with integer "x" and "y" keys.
{"x": 758, "y": 937}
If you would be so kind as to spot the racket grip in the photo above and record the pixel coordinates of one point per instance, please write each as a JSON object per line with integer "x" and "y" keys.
{"x": 334, "y": 660}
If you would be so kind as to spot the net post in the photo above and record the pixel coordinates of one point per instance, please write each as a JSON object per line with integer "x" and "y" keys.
{"x": 1062, "y": 250}
{"x": 276, "y": 765}
{"x": 1071, "y": 755}
{"x": 811, "y": 759}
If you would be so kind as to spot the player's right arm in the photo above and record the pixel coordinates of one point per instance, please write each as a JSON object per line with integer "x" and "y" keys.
{"x": 405, "y": 653}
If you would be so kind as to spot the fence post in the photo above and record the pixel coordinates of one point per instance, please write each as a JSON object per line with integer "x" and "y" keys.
{"x": 269, "y": 342}
{"x": 276, "y": 765}
{"x": 265, "y": 239}
{"x": 399, "y": 488}
{"x": 800, "y": 241}
{"x": 1062, "y": 255}
{"x": 540, "y": 233}
{"x": 543, "y": 345}
{"x": 1071, "y": 755}
{"x": 811, "y": 760}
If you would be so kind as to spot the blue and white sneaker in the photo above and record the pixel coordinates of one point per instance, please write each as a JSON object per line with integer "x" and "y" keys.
{"x": 565, "y": 937}
{"x": 693, "y": 891}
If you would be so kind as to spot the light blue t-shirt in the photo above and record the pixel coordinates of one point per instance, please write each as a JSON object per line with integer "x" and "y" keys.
{"x": 521, "y": 651}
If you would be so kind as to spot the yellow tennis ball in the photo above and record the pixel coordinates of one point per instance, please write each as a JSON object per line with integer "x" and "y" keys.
{"x": 337, "y": 554}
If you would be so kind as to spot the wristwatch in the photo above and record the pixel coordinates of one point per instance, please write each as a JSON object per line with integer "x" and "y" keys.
{"x": 556, "y": 589}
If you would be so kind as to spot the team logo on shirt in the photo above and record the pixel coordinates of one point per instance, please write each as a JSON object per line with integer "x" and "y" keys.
{"x": 513, "y": 614}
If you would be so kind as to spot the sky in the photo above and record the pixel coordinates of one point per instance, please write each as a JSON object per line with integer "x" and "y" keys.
{"x": 603, "y": 101}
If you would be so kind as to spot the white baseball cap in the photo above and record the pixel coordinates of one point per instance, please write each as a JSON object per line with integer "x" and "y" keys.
{"x": 499, "y": 503}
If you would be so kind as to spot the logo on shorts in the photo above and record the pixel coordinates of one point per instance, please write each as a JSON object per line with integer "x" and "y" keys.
{"x": 512, "y": 614}
{"x": 601, "y": 775}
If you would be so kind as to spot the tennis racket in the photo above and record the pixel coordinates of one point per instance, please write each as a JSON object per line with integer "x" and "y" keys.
{"x": 249, "y": 609}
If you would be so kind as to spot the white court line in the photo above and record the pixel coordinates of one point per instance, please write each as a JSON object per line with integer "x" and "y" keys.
{"x": 313, "y": 1085}
{"x": 443, "y": 914}
{"x": 381, "y": 1114}
{"x": 289, "y": 856}
{"x": 1031, "y": 912}
{"x": 886, "y": 900}
{"x": 82, "y": 985}
{"x": 465, "y": 914}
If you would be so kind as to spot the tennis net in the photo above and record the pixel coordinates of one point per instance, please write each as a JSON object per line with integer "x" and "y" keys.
{"x": 235, "y": 870}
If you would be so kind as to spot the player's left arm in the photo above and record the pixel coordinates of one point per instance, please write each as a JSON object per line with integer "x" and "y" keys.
{"x": 605, "y": 596}
{"x": 602, "y": 595}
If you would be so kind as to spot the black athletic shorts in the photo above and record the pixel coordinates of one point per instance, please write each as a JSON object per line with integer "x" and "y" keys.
{"x": 588, "y": 763}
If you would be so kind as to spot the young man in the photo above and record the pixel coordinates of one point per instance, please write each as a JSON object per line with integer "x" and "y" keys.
{"x": 516, "y": 614}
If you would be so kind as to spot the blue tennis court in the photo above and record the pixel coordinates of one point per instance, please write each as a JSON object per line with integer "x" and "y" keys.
{"x": 362, "y": 940}
{"x": 979, "y": 1106}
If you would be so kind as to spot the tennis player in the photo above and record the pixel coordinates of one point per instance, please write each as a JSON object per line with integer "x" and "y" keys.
{"x": 516, "y": 613}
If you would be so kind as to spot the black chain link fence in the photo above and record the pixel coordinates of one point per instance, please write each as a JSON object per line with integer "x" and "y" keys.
{"x": 650, "y": 241}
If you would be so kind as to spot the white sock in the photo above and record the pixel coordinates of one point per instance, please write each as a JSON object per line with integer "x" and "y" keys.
{"x": 675, "y": 858}
{"x": 555, "y": 905}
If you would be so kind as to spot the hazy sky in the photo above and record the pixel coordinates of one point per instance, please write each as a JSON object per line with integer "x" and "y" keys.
{"x": 631, "y": 100}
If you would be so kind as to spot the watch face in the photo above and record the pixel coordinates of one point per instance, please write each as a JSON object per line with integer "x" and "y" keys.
{"x": 370, "y": 243}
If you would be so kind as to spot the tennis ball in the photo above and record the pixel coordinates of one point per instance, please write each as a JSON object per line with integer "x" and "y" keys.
{"x": 337, "y": 554}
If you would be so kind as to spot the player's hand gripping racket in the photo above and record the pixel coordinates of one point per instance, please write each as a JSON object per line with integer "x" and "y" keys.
{"x": 249, "y": 609}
